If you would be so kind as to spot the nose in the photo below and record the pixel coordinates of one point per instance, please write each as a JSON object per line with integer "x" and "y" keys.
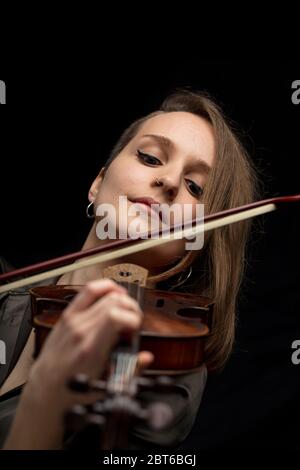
{"x": 169, "y": 184}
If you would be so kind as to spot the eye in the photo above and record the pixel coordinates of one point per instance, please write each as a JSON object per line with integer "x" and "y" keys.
{"x": 149, "y": 159}
{"x": 194, "y": 189}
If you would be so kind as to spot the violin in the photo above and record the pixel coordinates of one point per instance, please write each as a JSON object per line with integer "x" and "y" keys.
{"x": 174, "y": 329}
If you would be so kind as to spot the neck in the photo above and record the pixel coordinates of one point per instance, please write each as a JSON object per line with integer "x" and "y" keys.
{"x": 91, "y": 273}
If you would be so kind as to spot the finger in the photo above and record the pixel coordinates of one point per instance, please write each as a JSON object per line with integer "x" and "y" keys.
{"x": 91, "y": 292}
{"x": 145, "y": 358}
{"x": 118, "y": 322}
{"x": 96, "y": 342}
{"x": 114, "y": 299}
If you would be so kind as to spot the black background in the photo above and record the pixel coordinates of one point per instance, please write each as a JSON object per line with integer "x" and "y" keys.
{"x": 57, "y": 129}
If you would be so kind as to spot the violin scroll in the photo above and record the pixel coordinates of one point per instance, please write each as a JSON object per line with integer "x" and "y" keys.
{"x": 120, "y": 407}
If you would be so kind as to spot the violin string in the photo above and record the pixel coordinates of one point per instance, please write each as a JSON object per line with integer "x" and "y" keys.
{"x": 111, "y": 380}
{"x": 117, "y": 374}
{"x": 120, "y": 373}
{"x": 124, "y": 371}
{"x": 124, "y": 363}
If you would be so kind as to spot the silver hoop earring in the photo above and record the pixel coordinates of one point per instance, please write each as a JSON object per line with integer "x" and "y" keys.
{"x": 182, "y": 280}
{"x": 88, "y": 214}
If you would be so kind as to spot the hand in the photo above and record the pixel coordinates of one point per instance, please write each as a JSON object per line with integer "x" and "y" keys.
{"x": 83, "y": 338}
{"x": 80, "y": 342}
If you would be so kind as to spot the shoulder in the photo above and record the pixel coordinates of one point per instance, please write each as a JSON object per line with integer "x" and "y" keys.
{"x": 15, "y": 323}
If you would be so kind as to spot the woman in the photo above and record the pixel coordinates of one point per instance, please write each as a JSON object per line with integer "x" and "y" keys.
{"x": 185, "y": 153}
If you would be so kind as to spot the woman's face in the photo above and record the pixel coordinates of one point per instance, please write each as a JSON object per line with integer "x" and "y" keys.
{"x": 175, "y": 148}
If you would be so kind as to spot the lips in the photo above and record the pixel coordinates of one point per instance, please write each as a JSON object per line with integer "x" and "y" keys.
{"x": 149, "y": 201}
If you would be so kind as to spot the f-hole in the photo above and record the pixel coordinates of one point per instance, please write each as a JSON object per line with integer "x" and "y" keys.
{"x": 190, "y": 312}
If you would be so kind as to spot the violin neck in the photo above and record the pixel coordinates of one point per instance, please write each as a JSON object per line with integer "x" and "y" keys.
{"x": 124, "y": 357}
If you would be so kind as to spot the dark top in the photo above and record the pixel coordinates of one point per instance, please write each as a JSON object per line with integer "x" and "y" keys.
{"x": 15, "y": 327}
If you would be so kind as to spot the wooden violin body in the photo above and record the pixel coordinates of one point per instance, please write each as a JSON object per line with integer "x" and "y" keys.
{"x": 174, "y": 329}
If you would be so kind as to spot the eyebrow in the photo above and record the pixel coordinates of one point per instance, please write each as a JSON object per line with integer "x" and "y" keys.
{"x": 199, "y": 163}
{"x": 161, "y": 139}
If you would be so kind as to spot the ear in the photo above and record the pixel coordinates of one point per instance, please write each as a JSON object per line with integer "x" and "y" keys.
{"x": 95, "y": 185}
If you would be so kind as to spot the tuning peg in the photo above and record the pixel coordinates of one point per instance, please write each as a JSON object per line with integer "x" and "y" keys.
{"x": 95, "y": 419}
{"x": 78, "y": 417}
{"x": 165, "y": 383}
{"x": 75, "y": 418}
{"x": 81, "y": 383}
{"x": 159, "y": 415}
{"x": 162, "y": 383}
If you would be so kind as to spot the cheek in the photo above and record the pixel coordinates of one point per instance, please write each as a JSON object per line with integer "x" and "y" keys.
{"x": 134, "y": 177}
{"x": 124, "y": 175}
{"x": 113, "y": 185}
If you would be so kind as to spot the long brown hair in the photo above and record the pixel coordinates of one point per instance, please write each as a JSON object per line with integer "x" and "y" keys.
{"x": 218, "y": 268}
